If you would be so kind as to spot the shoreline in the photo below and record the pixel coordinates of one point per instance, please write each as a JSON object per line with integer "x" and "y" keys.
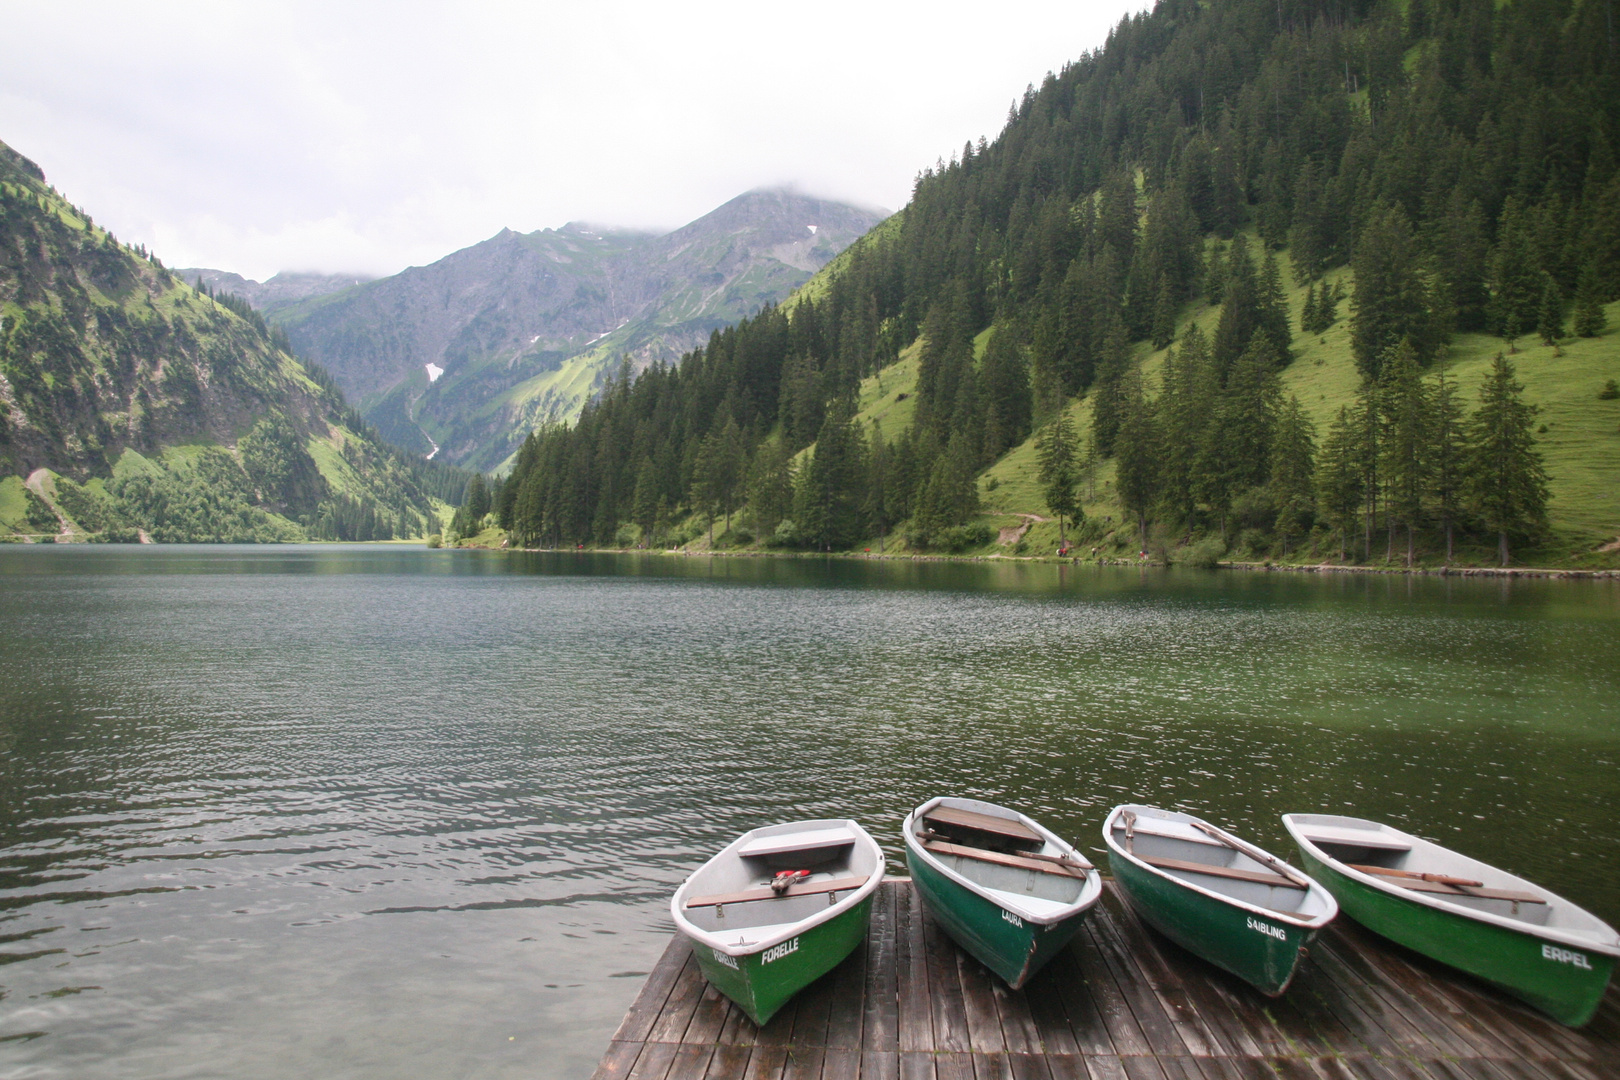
{"x": 1054, "y": 560}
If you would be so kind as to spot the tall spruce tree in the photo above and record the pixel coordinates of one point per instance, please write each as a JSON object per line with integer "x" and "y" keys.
{"x": 1391, "y": 301}
{"x": 1136, "y": 452}
{"x": 1589, "y": 318}
{"x": 1058, "y": 453}
{"x": 1447, "y": 456}
{"x": 1293, "y": 459}
{"x": 1507, "y": 479}
{"x": 1339, "y": 477}
{"x": 1408, "y": 439}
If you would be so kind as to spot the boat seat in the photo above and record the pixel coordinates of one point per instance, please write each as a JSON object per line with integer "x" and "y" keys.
{"x": 1417, "y": 884}
{"x": 1360, "y": 838}
{"x": 1259, "y": 877}
{"x": 1010, "y": 828}
{"x": 804, "y": 840}
{"x": 808, "y": 888}
{"x": 1021, "y": 862}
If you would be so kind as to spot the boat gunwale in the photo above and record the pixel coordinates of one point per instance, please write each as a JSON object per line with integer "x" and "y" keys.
{"x": 809, "y": 922}
{"x": 1090, "y": 888}
{"x": 1316, "y": 922}
{"x": 1578, "y": 939}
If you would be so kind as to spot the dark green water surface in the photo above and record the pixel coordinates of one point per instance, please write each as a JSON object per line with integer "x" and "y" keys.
{"x": 386, "y": 812}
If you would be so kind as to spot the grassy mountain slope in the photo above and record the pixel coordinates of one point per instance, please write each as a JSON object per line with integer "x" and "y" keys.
{"x": 131, "y": 403}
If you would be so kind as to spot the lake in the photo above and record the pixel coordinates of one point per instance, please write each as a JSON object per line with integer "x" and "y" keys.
{"x": 383, "y": 811}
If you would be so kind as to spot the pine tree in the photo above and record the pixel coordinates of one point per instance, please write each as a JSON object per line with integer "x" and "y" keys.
{"x": 1392, "y": 300}
{"x": 1056, "y": 450}
{"x": 1589, "y": 315}
{"x": 1408, "y": 437}
{"x": 770, "y": 487}
{"x": 1339, "y": 479}
{"x": 1293, "y": 455}
{"x": 1183, "y": 416}
{"x": 1506, "y": 478}
{"x": 1515, "y": 280}
{"x": 1550, "y": 314}
{"x": 1164, "y": 315}
{"x": 1447, "y": 455}
{"x": 1136, "y": 453}
{"x": 1106, "y": 405}
{"x": 1310, "y": 315}
{"x": 1272, "y": 303}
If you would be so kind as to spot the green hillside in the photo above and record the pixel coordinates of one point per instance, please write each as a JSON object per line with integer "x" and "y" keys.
{"x": 1441, "y": 178}
{"x": 133, "y": 406}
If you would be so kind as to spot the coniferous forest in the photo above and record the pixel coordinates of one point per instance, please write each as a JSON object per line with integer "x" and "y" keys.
{"x": 1423, "y": 171}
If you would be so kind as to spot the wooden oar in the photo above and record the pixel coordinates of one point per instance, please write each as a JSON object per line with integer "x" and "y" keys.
{"x": 1296, "y": 876}
{"x": 1077, "y": 860}
{"x": 1438, "y": 879}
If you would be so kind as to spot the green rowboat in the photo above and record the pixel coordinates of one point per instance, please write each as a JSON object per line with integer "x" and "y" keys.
{"x": 1008, "y": 890}
{"x": 1532, "y": 943}
{"x": 778, "y": 908}
{"x": 1228, "y": 901}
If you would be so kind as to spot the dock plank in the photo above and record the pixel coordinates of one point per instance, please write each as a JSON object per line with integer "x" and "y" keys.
{"x": 1120, "y": 1003}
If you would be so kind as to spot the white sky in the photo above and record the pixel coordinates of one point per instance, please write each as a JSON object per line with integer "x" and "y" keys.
{"x": 366, "y": 137}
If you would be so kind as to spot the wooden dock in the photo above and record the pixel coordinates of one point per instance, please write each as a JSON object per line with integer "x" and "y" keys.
{"x": 1122, "y": 1003}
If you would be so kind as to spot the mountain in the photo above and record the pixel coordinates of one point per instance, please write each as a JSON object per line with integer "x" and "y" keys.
{"x": 1310, "y": 280}
{"x": 282, "y": 290}
{"x": 132, "y": 403}
{"x": 465, "y": 356}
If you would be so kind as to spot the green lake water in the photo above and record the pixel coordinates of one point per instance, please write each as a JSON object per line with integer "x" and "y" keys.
{"x": 386, "y": 811}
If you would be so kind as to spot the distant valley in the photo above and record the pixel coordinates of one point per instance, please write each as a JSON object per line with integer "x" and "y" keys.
{"x": 462, "y": 358}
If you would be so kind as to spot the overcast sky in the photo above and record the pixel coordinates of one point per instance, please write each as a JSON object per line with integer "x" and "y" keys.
{"x": 338, "y": 136}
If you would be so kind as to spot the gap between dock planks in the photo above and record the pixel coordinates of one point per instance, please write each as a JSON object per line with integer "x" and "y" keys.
{"x": 1121, "y": 1003}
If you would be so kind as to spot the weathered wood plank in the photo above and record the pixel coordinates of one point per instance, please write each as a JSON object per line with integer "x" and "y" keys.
{"x": 841, "y": 1063}
{"x": 916, "y": 1065}
{"x": 953, "y": 1066}
{"x": 911, "y": 957}
{"x": 803, "y": 1063}
{"x": 1044, "y": 995}
{"x": 847, "y": 1009}
{"x": 682, "y": 1003}
{"x": 880, "y": 1019}
{"x": 1164, "y": 1033}
{"x": 1106, "y": 1067}
{"x": 691, "y": 1062}
{"x": 992, "y": 1067}
{"x": 615, "y": 1064}
{"x": 654, "y": 1061}
{"x": 1180, "y": 980}
{"x": 728, "y": 1063}
{"x": 1019, "y": 1032}
{"x": 945, "y": 1001}
{"x": 983, "y": 1021}
{"x": 815, "y": 1007}
{"x": 1125, "y": 1032}
{"x": 880, "y": 1065}
{"x": 767, "y": 1062}
{"x": 708, "y": 1018}
{"x": 1029, "y": 1066}
{"x": 645, "y": 1010}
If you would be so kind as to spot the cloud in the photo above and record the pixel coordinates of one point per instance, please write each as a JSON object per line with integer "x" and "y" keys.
{"x": 371, "y": 136}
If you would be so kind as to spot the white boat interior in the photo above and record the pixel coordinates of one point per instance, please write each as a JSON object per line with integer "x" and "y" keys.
{"x": 1004, "y": 856}
{"x": 1197, "y": 853}
{"x": 1431, "y": 872}
{"x": 733, "y": 891}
